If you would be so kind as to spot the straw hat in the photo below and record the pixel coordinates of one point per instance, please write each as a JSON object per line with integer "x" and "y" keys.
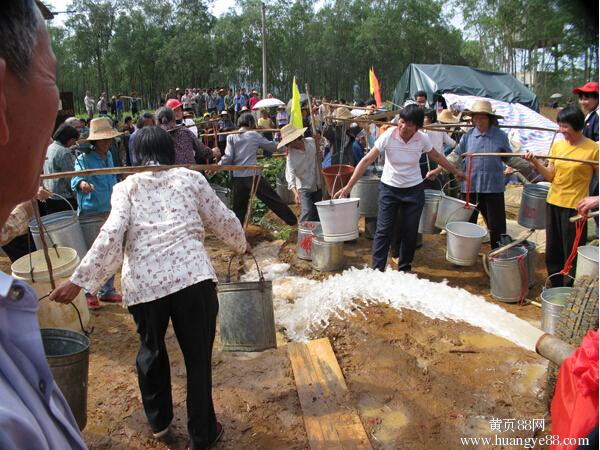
{"x": 343, "y": 113}
{"x": 290, "y": 133}
{"x": 446, "y": 116}
{"x": 101, "y": 128}
{"x": 482, "y": 107}
{"x": 224, "y": 113}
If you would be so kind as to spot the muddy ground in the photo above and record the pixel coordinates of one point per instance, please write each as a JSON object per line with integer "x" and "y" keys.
{"x": 417, "y": 383}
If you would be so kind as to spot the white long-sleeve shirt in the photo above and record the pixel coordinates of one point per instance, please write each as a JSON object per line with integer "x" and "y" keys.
{"x": 156, "y": 230}
{"x": 301, "y": 169}
{"x": 438, "y": 139}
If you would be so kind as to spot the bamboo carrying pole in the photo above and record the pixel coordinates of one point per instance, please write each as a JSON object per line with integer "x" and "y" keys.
{"x": 521, "y": 155}
{"x": 579, "y": 216}
{"x": 38, "y": 219}
{"x": 137, "y": 169}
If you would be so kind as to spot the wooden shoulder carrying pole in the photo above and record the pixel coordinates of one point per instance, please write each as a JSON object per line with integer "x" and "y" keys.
{"x": 137, "y": 169}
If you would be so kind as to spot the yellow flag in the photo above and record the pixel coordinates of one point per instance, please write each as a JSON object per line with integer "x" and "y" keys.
{"x": 296, "y": 113}
{"x": 371, "y": 87}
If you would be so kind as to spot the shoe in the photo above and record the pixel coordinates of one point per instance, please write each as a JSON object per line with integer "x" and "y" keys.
{"x": 162, "y": 433}
{"x": 113, "y": 298}
{"x": 215, "y": 440}
{"x": 92, "y": 302}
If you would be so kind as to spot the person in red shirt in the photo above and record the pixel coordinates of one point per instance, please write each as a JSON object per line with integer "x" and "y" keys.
{"x": 254, "y": 98}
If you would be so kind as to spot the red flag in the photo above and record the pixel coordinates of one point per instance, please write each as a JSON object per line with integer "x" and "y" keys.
{"x": 375, "y": 88}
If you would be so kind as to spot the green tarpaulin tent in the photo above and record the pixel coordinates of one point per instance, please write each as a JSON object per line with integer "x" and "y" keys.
{"x": 436, "y": 79}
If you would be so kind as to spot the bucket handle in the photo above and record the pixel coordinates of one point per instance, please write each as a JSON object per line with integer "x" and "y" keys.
{"x": 54, "y": 194}
{"x": 459, "y": 209}
{"x": 550, "y": 276}
{"x": 451, "y": 180}
{"x": 261, "y": 277}
{"x": 87, "y": 333}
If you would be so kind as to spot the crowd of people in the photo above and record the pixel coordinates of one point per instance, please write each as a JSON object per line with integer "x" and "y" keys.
{"x": 152, "y": 225}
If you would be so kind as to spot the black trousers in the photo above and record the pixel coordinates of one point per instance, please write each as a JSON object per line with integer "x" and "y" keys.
{"x": 560, "y": 235}
{"x": 397, "y": 224}
{"x": 241, "y": 196}
{"x": 492, "y": 210}
{"x": 193, "y": 312}
{"x": 19, "y": 247}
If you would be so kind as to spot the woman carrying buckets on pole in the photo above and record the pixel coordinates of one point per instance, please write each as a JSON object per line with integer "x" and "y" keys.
{"x": 484, "y": 185}
{"x": 570, "y": 183}
{"x": 401, "y": 188}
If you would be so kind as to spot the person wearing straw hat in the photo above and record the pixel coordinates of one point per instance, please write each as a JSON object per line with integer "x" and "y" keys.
{"x": 93, "y": 196}
{"x": 339, "y": 137}
{"x": 302, "y": 170}
{"x": 225, "y": 124}
{"x": 486, "y": 188}
{"x": 569, "y": 185}
{"x": 34, "y": 413}
{"x": 401, "y": 186}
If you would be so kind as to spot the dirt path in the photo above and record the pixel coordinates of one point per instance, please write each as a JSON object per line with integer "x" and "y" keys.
{"x": 416, "y": 382}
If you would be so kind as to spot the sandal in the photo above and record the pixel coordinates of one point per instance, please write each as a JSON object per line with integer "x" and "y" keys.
{"x": 92, "y": 302}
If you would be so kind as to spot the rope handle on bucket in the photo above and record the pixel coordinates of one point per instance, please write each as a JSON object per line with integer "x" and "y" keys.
{"x": 579, "y": 226}
{"x": 83, "y": 330}
{"x": 261, "y": 277}
{"x": 469, "y": 176}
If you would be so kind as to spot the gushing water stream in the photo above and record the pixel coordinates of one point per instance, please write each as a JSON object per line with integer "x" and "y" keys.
{"x": 305, "y": 306}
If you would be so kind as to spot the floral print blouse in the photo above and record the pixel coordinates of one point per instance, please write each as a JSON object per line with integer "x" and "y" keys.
{"x": 156, "y": 231}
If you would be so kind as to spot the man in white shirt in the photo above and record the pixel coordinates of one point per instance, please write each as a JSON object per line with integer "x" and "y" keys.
{"x": 90, "y": 103}
{"x": 302, "y": 171}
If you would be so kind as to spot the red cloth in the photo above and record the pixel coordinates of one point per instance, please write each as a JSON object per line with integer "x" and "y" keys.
{"x": 575, "y": 405}
{"x": 253, "y": 101}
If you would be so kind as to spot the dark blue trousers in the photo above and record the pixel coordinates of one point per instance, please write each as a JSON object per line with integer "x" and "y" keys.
{"x": 407, "y": 204}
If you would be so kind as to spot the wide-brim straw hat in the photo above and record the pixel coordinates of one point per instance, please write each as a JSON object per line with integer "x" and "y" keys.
{"x": 101, "y": 128}
{"x": 290, "y": 133}
{"x": 481, "y": 107}
{"x": 343, "y": 113}
{"x": 446, "y": 116}
{"x": 224, "y": 113}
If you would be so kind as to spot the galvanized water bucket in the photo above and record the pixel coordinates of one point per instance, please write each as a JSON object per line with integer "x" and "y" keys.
{"x": 508, "y": 275}
{"x": 587, "y": 261}
{"x": 553, "y": 301}
{"x": 452, "y": 209}
{"x": 222, "y": 193}
{"x": 370, "y": 227}
{"x": 61, "y": 229}
{"x": 429, "y": 213}
{"x": 339, "y": 219}
{"x": 247, "y": 322}
{"x": 67, "y": 353}
{"x": 463, "y": 242}
{"x": 367, "y": 190}
{"x": 327, "y": 256}
{"x": 90, "y": 226}
{"x": 532, "y": 211}
{"x": 306, "y": 230}
{"x": 281, "y": 187}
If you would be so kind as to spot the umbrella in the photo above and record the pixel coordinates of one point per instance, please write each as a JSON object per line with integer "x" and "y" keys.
{"x": 556, "y": 95}
{"x": 268, "y": 103}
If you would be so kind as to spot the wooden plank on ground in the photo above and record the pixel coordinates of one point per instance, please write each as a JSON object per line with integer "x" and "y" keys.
{"x": 330, "y": 420}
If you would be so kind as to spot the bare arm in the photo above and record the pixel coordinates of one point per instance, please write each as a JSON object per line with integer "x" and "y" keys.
{"x": 443, "y": 162}
{"x": 359, "y": 171}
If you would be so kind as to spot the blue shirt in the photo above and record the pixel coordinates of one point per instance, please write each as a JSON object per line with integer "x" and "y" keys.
{"x": 33, "y": 413}
{"x": 358, "y": 151}
{"x": 488, "y": 171}
{"x": 97, "y": 201}
{"x": 220, "y": 103}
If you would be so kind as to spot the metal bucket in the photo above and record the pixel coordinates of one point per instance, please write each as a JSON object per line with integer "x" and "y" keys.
{"x": 306, "y": 230}
{"x": 463, "y": 242}
{"x": 327, "y": 256}
{"x": 339, "y": 219}
{"x": 62, "y": 229}
{"x": 530, "y": 261}
{"x": 587, "y": 261}
{"x": 367, "y": 190}
{"x": 553, "y": 301}
{"x": 532, "y": 211}
{"x": 68, "y": 354}
{"x": 90, "y": 226}
{"x": 508, "y": 275}
{"x": 246, "y": 316}
{"x": 281, "y": 187}
{"x": 452, "y": 209}
{"x": 429, "y": 213}
{"x": 370, "y": 227}
{"x": 222, "y": 193}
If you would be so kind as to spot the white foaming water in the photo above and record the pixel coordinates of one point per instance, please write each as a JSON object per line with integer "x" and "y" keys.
{"x": 305, "y": 306}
